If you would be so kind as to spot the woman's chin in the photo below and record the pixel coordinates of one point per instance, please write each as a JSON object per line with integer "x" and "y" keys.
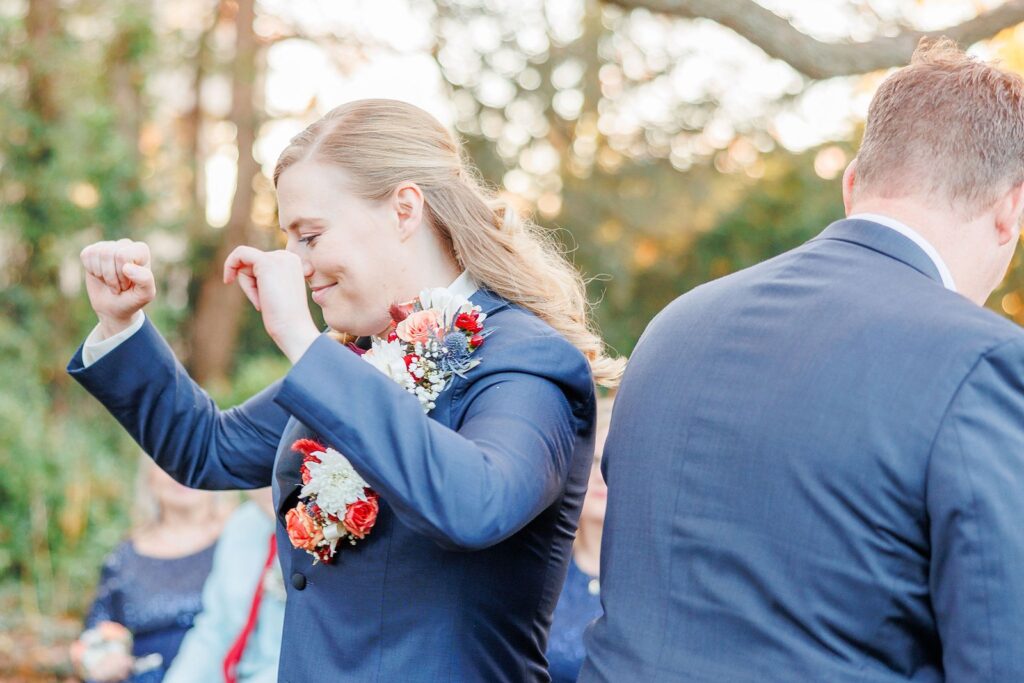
{"x": 353, "y": 325}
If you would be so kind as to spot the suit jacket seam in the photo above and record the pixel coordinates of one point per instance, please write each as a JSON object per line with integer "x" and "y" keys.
{"x": 980, "y": 556}
{"x": 970, "y": 485}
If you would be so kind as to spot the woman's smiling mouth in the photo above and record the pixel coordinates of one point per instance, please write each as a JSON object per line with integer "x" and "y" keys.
{"x": 320, "y": 293}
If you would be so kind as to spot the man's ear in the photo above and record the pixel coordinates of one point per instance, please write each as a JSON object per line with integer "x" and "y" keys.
{"x": 849, "y": 179}
{"x": 1008, "y": 214}
{"x": 407, "y": 200}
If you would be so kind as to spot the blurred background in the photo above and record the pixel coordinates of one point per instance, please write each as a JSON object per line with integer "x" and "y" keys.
{"x": 666, "y": 142}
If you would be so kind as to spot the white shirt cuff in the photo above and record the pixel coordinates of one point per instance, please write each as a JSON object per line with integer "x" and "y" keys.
{"x": 95, "y": 348}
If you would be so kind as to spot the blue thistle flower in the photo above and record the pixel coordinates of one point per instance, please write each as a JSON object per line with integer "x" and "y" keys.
{"x": 454, "y": 352}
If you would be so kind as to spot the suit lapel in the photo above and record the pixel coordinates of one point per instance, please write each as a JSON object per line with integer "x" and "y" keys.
{"x": 287, "y": 480}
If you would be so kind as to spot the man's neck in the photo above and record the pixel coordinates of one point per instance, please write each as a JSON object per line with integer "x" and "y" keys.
{"x": 950, "y": 235}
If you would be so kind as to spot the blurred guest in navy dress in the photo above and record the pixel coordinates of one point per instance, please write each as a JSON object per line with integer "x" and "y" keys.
{"x": 150, "y": 587}
{"x": 580, "y": 602}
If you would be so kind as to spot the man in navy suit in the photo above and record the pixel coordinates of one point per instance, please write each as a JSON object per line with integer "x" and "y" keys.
{"x": 816, "y": 465}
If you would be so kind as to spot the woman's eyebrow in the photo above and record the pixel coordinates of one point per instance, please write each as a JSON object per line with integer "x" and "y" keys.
{"x": 299, "y": 222}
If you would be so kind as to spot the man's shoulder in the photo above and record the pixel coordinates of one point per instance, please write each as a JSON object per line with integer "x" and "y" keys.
{"x": 891, "y": 289}
{"x": 961, "y": 323}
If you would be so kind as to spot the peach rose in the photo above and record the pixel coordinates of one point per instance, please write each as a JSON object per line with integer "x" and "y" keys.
{"x": 303, "y": 531}
{"x": 418, "y": 327}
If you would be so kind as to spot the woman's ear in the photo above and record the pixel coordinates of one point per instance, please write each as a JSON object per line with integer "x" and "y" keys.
{"x": 407, "y": 200}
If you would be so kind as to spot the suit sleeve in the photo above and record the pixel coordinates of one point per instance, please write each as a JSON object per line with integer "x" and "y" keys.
{"x": 467, "y": 489}
{"x": 147, "y": 390}
{"x": 106, "y": 605}
{"x": 975, "y": 502}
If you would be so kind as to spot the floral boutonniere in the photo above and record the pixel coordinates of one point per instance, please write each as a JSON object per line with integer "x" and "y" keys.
{"x": 429, "y": 341}
{"x": 335, "y": 503}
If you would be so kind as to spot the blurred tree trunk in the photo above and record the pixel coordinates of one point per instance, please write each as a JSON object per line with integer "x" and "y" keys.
{"x": 213, "y": 333}
{"x": 42, "y": 23}
{"x": 198, "y": 229}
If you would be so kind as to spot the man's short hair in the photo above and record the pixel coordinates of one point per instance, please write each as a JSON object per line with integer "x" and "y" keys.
{"x": 947, "y": 126}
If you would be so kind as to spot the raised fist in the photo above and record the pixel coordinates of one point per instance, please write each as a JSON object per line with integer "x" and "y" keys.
{"x": 119, "y": 282}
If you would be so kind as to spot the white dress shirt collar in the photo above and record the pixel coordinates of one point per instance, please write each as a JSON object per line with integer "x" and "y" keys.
{"x": 916, "y": 238}
{"x": 464, "y": 285}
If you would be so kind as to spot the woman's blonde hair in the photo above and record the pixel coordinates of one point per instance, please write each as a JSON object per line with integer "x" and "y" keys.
{"x": 383, "y": 143}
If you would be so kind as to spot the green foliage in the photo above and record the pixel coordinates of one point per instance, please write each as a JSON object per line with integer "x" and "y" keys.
{"x": 69, "y": 174}
{"x": 253, "y": 374}
{"x": 67, "y": 471}
{"x": 649, "y": 233}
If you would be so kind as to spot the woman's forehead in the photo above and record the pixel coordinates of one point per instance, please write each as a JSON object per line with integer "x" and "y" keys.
{"x": 309, "y": 190}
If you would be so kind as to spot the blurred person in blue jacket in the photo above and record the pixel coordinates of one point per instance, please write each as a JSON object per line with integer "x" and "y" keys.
{"x": 237, "y": 637}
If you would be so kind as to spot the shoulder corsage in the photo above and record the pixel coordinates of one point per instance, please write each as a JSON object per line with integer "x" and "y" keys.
{"x": 430, "y": 340}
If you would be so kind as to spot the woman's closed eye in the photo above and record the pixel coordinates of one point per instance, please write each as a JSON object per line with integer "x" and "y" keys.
{"x": 308, "y": 240}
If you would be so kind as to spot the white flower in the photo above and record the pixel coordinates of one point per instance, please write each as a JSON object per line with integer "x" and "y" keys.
{"x": 447, "y": 304}
{"x": 334, "y": 482}
{"x": 389, "y": 358}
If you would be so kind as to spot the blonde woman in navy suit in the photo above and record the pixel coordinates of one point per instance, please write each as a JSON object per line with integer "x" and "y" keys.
{"x": 479, "y": 499}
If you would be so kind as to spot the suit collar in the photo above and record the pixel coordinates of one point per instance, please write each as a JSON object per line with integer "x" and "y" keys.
{"x": 488, "y": 301}
{"x": 884, "y": 240}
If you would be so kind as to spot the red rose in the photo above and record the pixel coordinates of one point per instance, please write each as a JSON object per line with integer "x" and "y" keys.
{"x": 392, "y": 336}
{"x": 303, "y": 531}
{"x": 360, "y": 517}
{"x": 476, "y": 341}
{"x": 468, "y": 322}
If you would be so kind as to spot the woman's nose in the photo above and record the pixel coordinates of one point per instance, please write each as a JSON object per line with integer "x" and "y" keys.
{"x": 296, "y": 248}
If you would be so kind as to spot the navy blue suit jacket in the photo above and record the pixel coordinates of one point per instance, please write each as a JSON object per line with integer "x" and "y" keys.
{"x": 479, "y": 501}
{"x": 816, "y": 473}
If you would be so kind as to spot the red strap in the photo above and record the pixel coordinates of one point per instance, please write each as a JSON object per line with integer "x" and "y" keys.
{"x": 234, "y": 655}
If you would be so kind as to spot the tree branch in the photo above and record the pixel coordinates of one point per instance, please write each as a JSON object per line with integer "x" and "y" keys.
{"x": 817, "y": 59}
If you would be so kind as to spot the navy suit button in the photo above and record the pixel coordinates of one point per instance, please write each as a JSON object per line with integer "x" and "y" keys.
{"x": 299, "y": 581}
